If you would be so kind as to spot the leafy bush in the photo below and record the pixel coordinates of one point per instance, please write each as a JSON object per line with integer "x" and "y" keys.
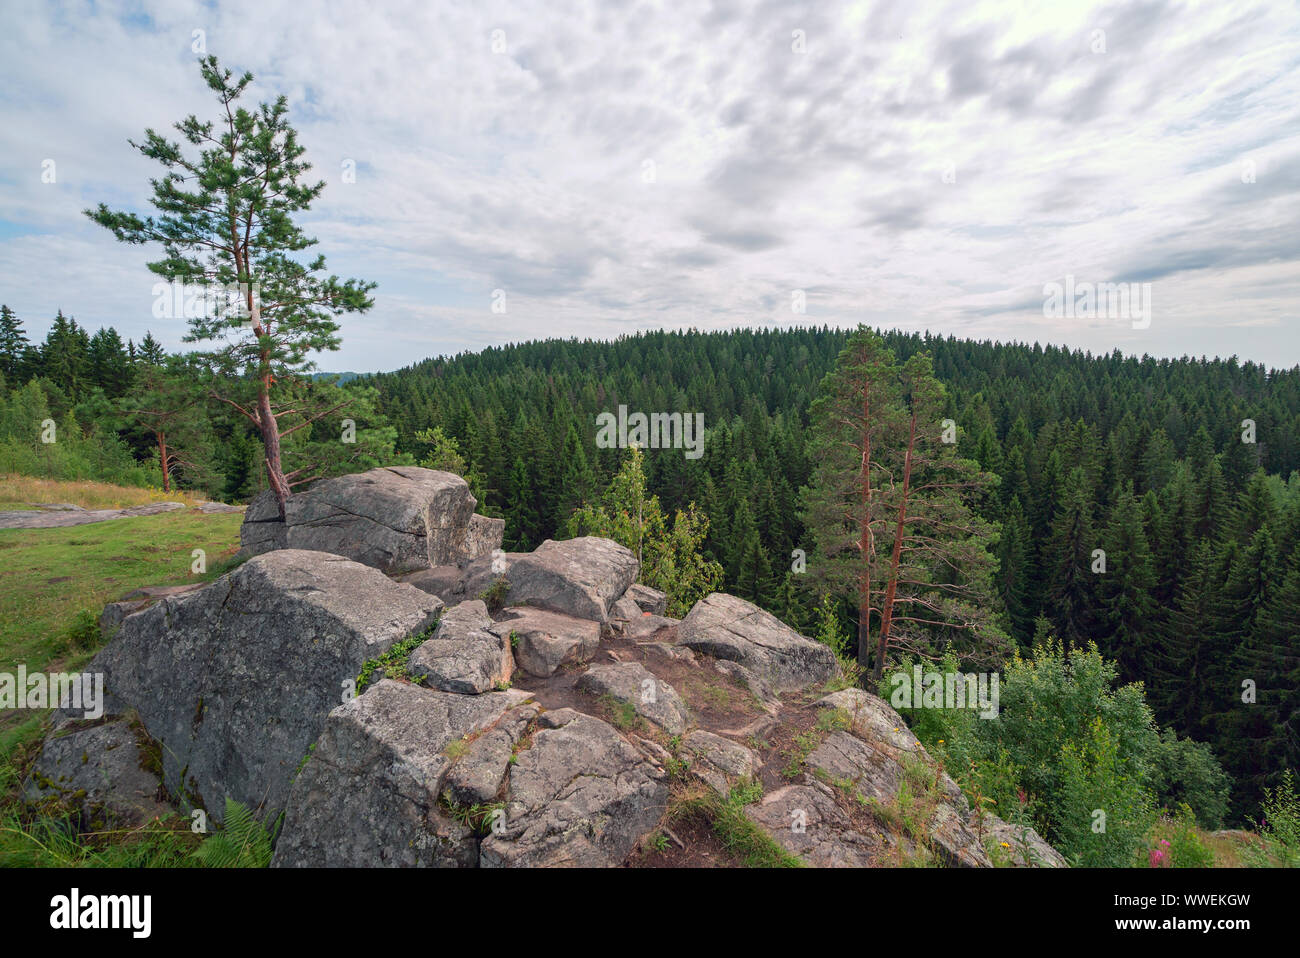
{"x": 1065, "y": 745}
{"x": 1186, "y": 772}
{"x": 1279, "y": 829}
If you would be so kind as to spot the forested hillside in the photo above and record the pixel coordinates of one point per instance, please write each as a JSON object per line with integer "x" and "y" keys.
{"x": 1148, "y": 460}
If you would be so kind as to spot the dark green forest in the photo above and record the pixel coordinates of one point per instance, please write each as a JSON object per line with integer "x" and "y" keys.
{"x": 1185, "y": 472}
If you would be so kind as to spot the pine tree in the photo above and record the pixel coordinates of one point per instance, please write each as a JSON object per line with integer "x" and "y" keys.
{"x": 166, "y": 403}
{"x": 226, "y": 218}
{"x": 521, "y": 512}
{"x": 577, "y": 478}
{"x": 752, "y": 573}
{"x": 889, "y": 510}
{"x": 151, "y": 352}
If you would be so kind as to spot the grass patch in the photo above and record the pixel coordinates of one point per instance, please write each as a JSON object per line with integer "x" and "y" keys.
{"x": 479, "y": 818}
{"x": 52, "y": 576}
{"x": 494, "y": 596}
{"x": 750, "y": 845}
{"x": 19, "y": 492}
{"x": 622, "y": 715}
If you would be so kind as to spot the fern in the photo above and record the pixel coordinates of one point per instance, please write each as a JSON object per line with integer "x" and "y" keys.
{"x": 242, "y": 842}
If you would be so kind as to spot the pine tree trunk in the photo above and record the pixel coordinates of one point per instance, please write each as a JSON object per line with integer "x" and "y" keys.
{"x": 891, "y": 588}
{"x": 271, "y": 443}
{"x": 864, "y": 541}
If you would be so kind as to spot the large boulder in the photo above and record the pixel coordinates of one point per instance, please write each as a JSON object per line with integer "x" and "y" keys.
{"x": 807, "y": 823}
{"x": 543, "y": 641}
{"x": 581, "y": 796}
{"x": 459, "y": 581}
{"x": 581, "y": 577}
{"x": 870, "y": 757}
{"x": 631, "y": 683}
{"x": 370, "y": 792}
{"x": 647, "y": 599}
{"x": 719, "y": 762}
{"x": 463, "y": 655}
{"x": 726, "y": 627}
{"x": 99, "y": 767}
{"x": 235, "y": 680}
{"x": 396, "y": 519}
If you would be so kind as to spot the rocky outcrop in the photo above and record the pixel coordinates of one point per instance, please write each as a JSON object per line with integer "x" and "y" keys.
{"x": 457, "y": 582}
{"x": 544, "y": 641}
{"x": 463, "y": 655}
{"x": 808, "y": 823}
{"x": 100, "y": 767}
{"x": 235, "y": 680}
{"x": 581, "y": 796}
{"x": 865, "y": 761}
{"x": 578, "y": 577}
{"x": 647, "y": 599}
{"x": 136, "y": 601}
{"x": 63, "y": 514}
{"x": 719, "y": 762}
{"x": 397, "y": 519}
{"x": 631, "y": 683}
{"x": 726, "y": 627}
{"x": 370, "y": 792}
{"x": 618, "y": 718}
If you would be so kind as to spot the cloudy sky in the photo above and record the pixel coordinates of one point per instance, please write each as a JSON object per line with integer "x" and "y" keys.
{"x": 621, "y": 166}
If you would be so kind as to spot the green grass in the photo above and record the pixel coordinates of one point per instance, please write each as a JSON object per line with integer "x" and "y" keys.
{"x": 50, "y": 575}
{"x": 56, "y": 581}
{"x": 751, "y": 846}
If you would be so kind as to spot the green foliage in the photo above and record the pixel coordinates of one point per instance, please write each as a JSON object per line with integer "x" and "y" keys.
{"x": 754, "y": 847}
{"x": 829, "y": 631}
{"x": 1279, "y": 827}
{"x": 444, "y": 454}
{"x": 83, "y": 635}
{"x": 478, "y": 817}
{"x": 241, "y": 841}
{"x": 1175, "y": 842}
{"x": 392, "y": 664}
{"x": 1065, "y": 746}
{"x": 671, "y": 558}
{"x": 1186, "y": 774}
{"x": 494, "y": 597}
{"x": 882, "y": 469}
{"x": 1100, "y": 812}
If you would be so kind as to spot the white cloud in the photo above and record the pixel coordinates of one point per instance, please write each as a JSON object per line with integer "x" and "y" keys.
{"x": 773, "y": 170}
